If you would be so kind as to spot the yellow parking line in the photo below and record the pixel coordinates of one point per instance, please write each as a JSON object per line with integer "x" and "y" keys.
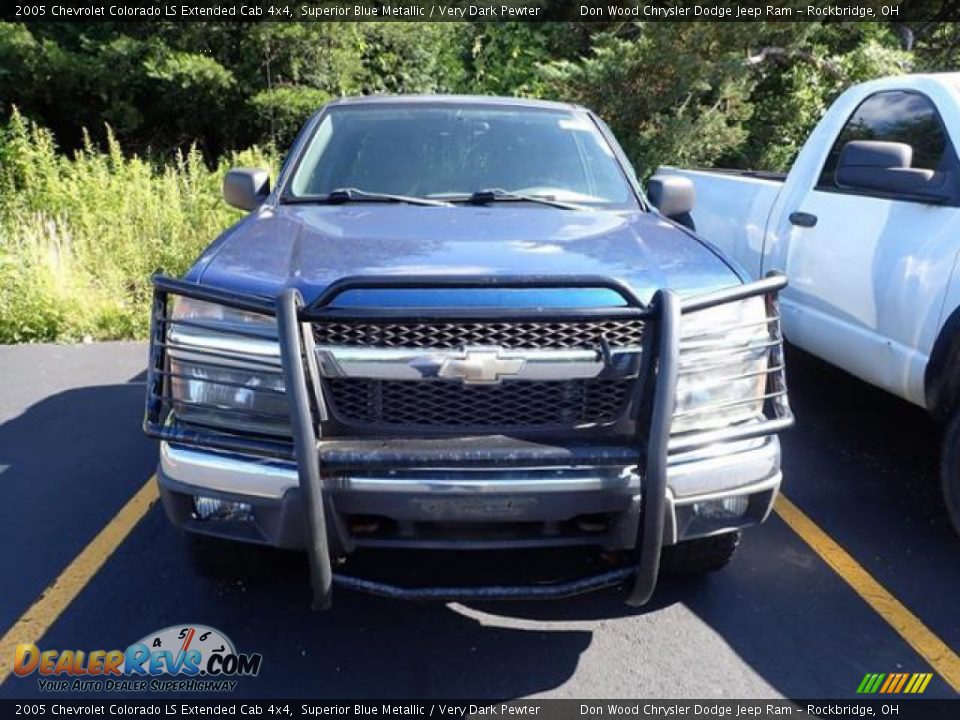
{"x": 908, "y": 626}
{"x": 57, "y": 597}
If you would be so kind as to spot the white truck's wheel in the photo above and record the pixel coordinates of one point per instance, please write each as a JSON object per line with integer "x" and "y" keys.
{"x": 950, "y": 470}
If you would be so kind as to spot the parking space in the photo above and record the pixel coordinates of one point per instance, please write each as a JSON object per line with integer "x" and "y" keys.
{"x": 778, "y": 621}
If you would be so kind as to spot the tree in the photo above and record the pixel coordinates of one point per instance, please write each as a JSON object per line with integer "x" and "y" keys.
{"x": 674, "y": 92}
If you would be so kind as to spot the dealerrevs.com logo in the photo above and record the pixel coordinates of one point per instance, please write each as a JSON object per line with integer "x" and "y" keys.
{"x": 179, "y": 658}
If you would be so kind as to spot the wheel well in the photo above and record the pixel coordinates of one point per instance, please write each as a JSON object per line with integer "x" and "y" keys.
{"x": 942, "y": 378}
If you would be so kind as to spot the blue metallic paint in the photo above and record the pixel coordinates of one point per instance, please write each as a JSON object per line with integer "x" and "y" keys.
{"x": 309, "y": 247}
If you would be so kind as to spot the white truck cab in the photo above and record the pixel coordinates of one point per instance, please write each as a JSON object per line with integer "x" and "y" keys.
{"x": 866, "y": 225}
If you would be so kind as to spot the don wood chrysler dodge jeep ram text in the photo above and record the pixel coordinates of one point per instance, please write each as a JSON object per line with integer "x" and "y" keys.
{"x": 457, "y": 323}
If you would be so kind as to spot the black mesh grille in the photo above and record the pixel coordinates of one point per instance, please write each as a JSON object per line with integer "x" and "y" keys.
{"x": 569, "y": 335}
{"x": 518, "y": 403}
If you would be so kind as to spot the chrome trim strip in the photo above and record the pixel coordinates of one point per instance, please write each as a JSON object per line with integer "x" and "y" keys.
{"x": 189, "y": 339}
{"x": 220, "y": 472}
{"x": 475, "y": 365}
{"x": 613, "y": 480}
{"x": 258, "y": 477}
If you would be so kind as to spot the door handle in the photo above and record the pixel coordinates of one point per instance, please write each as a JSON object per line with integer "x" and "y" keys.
{"x": 803, "y": 219}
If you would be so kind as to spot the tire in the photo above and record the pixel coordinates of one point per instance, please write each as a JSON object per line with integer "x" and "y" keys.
{"x": 950, "y": 470}
{"x": 700, "y": 556}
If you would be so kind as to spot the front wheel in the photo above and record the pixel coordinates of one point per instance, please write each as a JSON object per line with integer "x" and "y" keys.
{"x": 700, "y": 556}
{"x": 950, "y": 470}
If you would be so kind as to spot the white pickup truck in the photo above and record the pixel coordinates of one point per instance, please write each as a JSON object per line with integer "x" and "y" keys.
{"x": 866, "y": 225}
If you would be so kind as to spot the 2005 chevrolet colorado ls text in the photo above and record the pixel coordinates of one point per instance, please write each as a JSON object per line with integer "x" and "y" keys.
{"x": 458, "y": 323}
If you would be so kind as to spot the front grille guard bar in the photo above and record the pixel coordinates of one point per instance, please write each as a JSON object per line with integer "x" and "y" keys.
{"x": 158, "y": 401}
{"x": 324, "y": 308}
{"x": 308, "y": 411}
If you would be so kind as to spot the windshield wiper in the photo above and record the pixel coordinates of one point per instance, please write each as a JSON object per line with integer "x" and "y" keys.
{"x": 485, "y": 197}
{"x": 349, "y": 195}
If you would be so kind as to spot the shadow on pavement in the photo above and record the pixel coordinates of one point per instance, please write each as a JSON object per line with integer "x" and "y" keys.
{"x": 67, "y": 464}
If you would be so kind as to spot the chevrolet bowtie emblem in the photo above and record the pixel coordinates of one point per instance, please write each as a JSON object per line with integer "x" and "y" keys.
{"x": 480, "y": 366}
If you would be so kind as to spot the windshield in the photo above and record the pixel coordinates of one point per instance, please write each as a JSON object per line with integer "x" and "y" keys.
{"x": 452, "y": 152}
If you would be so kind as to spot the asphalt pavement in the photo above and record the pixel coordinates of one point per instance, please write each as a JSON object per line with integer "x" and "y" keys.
{"x": 778, "y": 621}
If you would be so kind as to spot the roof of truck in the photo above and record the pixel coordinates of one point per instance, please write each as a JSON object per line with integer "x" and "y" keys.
{"x": 907, "y": 81}
{"x": 452, "y": 100}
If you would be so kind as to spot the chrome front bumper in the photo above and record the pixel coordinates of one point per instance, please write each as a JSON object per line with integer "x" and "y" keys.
{"x": 750, "y": 468}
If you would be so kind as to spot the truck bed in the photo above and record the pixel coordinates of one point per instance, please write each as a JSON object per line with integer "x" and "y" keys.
{"x": 732, "y": 208}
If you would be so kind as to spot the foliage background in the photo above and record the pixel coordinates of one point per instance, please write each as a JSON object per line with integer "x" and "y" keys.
{"x": 114, "y": 136}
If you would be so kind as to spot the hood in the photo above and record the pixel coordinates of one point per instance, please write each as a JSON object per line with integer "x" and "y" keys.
{"x": 310, "y": 247}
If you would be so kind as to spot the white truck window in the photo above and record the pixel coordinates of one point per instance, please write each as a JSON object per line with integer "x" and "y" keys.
{"x": 895, "y": 116}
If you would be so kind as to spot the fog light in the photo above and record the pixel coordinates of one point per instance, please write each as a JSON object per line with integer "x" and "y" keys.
{"x": 206, "y": 508}
{"x": 727, "y": 509}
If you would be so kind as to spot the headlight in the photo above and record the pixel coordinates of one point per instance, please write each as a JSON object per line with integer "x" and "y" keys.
{"x": 217, "y": 328}
{"x": 722, "y": 375}
{"x": 224, "y": 368}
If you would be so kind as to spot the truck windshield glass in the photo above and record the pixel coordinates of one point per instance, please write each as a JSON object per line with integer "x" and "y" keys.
{"x": 452, "y": 153}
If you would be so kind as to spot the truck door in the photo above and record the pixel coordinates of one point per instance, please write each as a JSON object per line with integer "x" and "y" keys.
{"x": 868, "y": 270}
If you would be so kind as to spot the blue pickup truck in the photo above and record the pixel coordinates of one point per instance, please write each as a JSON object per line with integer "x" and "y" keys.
{"x": 459, "y": 324}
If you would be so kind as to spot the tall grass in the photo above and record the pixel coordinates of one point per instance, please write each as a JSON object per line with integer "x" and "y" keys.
{"x": 80, "y": 235}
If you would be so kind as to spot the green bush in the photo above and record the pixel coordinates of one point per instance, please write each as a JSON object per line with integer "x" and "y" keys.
{"x": 80, "y": 235}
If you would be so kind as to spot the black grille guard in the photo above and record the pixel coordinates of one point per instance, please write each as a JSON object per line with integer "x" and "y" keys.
{"x": 653, "y": 411}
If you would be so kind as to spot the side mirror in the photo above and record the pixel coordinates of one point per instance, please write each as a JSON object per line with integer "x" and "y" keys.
{"x": 673, "y": 196}
{"x": 246, "y": 188}
{"x": 883, "y": 167}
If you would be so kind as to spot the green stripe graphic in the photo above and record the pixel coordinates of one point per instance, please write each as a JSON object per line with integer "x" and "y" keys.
{"x": 876, "y": 684}
{"x": 863, "y": 683}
